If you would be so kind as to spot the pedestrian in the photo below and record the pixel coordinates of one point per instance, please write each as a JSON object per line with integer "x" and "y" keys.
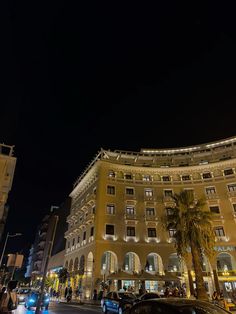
{"x": 66, "y": 292}
{"x": 69, "y": 295}
{"x": 95, "y": 294}
{"x": 2, "y": 291}
{"x": 9, "y": 301}
{"x": 215, "y": 297}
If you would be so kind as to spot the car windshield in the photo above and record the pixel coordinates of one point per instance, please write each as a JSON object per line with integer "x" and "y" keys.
{"x": 127, "y": 295}
{"x": 24, "y": 291}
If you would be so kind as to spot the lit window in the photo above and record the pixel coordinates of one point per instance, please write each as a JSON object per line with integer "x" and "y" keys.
{"x": 130, "y": 210}
{"x": 131, "y": 231}
{"x": 110, "y": 209}
{"x": 147, "y": 178}
{"x": 210, "y": 190}
{"x": 111, "y": 190}
{"x": 148, "y": 192}
{"x": 150, "y": 211}
{"x": 219, "y": 231}
{"x": 110, "y": 229}
{"x": 232, "y": 187}
{"x": 172, "y": 232}
{"x": 111, "y": 174}
{"x": 152, "y": 232}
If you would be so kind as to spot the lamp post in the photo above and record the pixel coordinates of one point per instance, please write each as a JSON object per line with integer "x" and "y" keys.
{"x": 5, "y": 244}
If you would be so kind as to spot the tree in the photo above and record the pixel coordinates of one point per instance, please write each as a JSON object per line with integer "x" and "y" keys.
{"x": 63, "y": 275}
{"x": 193, "y": 232}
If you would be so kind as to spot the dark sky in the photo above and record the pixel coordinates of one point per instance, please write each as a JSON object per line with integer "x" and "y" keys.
{"x": 78, "y": 76}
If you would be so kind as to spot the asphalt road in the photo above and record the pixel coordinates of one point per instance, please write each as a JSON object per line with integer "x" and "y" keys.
{"x": 58, "y": 308}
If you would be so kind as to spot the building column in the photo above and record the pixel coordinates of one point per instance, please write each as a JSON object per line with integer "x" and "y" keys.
{"x": 215, "y": 274}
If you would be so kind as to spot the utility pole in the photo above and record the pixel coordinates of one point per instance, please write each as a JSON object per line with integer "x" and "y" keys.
{"x": 53, "y": 225}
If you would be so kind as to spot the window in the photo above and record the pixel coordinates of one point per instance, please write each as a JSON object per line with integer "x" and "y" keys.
{"x": 210, "y": 190}
{"x": 91, "y": 231}
{"x": 150, "y": 211}
{"x": 84, "y": 236}
{"x": 73, "y": 242}
{"x": 111, "y": 174}
{"x": 168, "y": 193}
{"x": 128, "y": 176}
{"x": 148, "y": 192}
{"x": 110, "y": 209}
{"x": 215, "y": 209}
{"x": 228, "y": 172}
{"x": 110, "y": 229}
{"x": 78, "y": 239}
{"x": 129, "y": 191}
{"x": 93, "y": 209}
{"x": 147, "y": 177}
{"x": 172, "y": 232}
{"x": 169, "y": 211}
{"x": 130, "y": 210}
{"x": 219, "y": 231}
{"x": 131, "y": 231}
{"x": 68, "y": 244}
{"x": 111, "y": 189}
{"x": 206, "y": 175}
{"x": 234, "y": 207}
{"x": 186, "y": 177}
{"x": 152, "y": 232}
{"x": 166, "y": 178}
{"x": 232, "y": 187}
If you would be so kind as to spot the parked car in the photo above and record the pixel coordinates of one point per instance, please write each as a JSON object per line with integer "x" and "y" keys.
{"x": 22, "y": 294}
{"x": 175, "y": 306}
{"x": 32, "y": 299}
{"x": 147, "y": 296}
{"x": 117, "y": 301}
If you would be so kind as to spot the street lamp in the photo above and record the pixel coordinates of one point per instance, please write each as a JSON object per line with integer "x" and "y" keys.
{"x": 5, "y": 244}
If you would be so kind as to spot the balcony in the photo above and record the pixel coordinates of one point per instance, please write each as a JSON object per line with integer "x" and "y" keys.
{"x": 212, "y": 196}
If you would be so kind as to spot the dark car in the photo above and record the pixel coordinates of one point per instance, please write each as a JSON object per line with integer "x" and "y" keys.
{"x": 32, "y": 299}
{"x": 117, "y": 301}
{"x": 175, "y": 306}
{"x": 147, "y": 296}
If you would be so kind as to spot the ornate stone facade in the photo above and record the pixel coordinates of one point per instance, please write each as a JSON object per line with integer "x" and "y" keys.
{"x": 114, "y": 235}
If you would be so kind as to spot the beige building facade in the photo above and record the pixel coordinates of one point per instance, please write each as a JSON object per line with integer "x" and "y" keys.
{"x": 114, "y": 233}
{"x": 7, "y": 170}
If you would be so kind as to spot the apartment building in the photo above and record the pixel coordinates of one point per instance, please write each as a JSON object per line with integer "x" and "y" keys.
{"x": 7, "y": 170}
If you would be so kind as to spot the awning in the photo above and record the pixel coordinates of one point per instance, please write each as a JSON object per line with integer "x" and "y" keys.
{"x": 143, "y": 275}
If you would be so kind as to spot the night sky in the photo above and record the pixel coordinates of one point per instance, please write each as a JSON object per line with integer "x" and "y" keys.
{"x": 77, "y": 77}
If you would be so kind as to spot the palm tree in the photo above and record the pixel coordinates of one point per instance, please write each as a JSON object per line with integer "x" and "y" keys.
{"x": 193, "y": 232}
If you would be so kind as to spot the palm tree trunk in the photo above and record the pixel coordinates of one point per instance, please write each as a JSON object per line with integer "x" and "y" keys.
{"x": 200, "y": 287}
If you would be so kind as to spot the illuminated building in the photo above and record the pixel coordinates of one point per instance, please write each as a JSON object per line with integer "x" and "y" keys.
{"x": 7, "y": 170}
{"x": 114, "y": 233}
